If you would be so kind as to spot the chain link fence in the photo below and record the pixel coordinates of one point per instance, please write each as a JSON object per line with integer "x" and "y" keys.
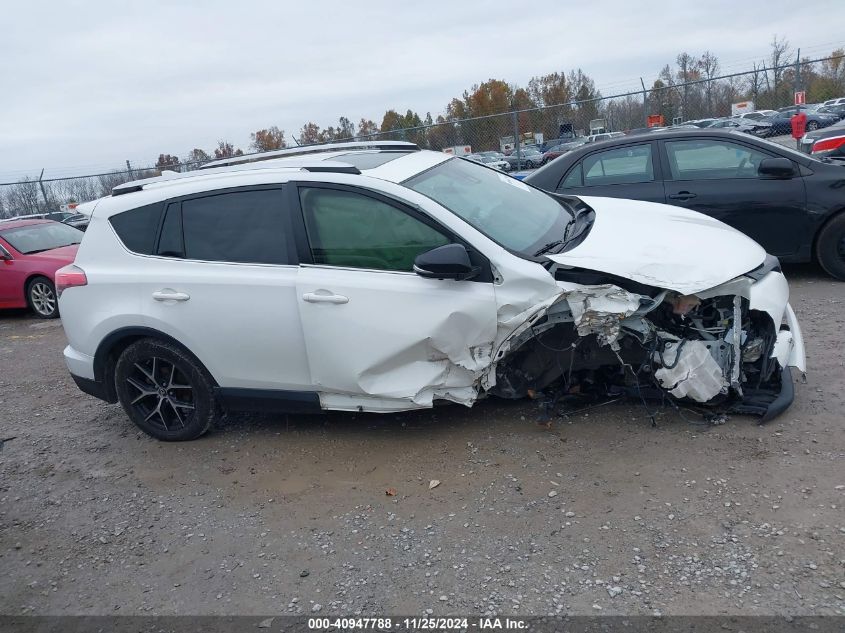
{"x": 527, "y": 132}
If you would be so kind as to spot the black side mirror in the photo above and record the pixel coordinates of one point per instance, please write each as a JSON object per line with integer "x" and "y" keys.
{"x": 776, "y": 167}
{"x": 446, "y": 262}
{"x": 5, "y": 255}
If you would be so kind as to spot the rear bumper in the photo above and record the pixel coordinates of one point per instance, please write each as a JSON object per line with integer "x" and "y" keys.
{"x": 92, "y": 388}
{"x": 79, "y": 364}
{"x": 81, "y": 368}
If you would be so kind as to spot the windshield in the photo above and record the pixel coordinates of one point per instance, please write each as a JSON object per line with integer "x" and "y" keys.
{"x": 513, "y": 214}
{"x": 36, "y": 238}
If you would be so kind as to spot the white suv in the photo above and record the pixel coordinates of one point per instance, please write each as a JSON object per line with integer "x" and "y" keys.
{"x": 379, "y": 277}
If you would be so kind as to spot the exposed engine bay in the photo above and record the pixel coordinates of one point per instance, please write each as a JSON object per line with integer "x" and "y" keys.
{"x": 651, "y": 344}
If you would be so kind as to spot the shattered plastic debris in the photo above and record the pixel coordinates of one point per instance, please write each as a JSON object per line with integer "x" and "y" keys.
{"x": 689, "y": 370}
{"x": 433, "y": 484}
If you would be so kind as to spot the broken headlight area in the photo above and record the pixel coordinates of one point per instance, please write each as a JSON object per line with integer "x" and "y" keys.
{"x": 604, "y": 341}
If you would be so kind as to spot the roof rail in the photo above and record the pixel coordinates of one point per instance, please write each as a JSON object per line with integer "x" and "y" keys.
{"x": 169, "y": 176}
{"x": 304, "y": 150}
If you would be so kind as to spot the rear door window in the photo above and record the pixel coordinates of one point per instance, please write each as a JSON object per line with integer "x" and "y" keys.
{"x": 249, "y": 227}
{"x": 137, "y": 228}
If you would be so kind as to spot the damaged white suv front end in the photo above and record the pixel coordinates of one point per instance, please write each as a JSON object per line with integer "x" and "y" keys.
{"x": 651, "y": 301}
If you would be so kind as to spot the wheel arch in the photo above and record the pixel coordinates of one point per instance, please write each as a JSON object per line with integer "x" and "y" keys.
{"x": 112, "y": 346}
{"x": 29, "y": 279}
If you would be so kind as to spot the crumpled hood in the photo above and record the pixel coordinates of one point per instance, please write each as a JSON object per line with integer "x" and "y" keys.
{"x": 663, "y": 246}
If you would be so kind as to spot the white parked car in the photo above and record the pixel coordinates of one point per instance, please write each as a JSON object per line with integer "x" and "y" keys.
{"x": 378, "y": 277}
{"x": 490, "y": 161}
{"x": 756, "y": 115}
{"x": 603, "y": 136}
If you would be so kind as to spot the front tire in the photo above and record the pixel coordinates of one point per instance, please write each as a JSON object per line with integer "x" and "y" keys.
{"x": 812, "y": 126}
{"x": 41, "y": 296}
{"x": 164, "y": 391}
{"x": 830, "y": 247}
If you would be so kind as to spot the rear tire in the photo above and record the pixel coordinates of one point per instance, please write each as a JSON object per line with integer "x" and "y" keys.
{"x": 812, "y": 125}
{"x": 830, "y": 247}
{"x": 41, "y": 296}
{"x": 164, "y": 391}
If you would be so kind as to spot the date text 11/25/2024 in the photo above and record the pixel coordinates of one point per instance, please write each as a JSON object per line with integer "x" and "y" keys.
{"x": 417, "y": 624}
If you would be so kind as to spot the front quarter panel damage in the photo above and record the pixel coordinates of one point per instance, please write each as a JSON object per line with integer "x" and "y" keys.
{"x": 709, "y": 348}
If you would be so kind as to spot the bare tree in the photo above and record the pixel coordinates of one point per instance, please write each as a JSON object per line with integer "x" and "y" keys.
{"x": 686, "y": 64}
{"x": 22, "y": 197}
{"x": 755, "y": 82}
{"x": 779, "y": 54}
{"x": 709, "y": 65}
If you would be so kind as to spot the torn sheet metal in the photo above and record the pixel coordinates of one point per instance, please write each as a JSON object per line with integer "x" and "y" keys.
{"x": 600, "y": 310}
{"x": 689, "y": 370}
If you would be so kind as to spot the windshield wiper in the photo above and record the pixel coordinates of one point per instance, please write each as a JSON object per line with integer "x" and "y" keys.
{"x": 547, "y": 247}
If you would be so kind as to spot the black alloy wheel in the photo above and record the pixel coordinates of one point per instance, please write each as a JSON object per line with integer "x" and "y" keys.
{"x": 164, "y": 391}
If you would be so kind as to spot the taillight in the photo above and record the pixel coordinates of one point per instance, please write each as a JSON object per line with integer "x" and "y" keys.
{"x": 828, "y": 144}
{"x": 69, "y": 277}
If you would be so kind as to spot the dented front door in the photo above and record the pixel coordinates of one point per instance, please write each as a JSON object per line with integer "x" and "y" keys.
{"x": 394, "y": 336}
{"x": 375, "y": 332}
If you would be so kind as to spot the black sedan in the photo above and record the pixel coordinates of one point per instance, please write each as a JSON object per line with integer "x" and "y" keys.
{"x": 791, "y": 203}
{"x": 782, "y": 121}
{"x": 834, "y": 110}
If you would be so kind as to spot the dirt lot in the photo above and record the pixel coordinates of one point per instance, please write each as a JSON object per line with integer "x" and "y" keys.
{"x": 602, "y": 513}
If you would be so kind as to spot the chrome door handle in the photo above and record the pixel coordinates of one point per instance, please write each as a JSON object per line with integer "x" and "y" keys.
{"x": 313, "y": 297}
{"x": 170, "y": 295}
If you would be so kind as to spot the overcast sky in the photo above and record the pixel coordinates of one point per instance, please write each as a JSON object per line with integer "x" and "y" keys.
{"x": 89, "y": 84}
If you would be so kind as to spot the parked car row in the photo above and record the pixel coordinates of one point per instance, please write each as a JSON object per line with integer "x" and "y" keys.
{"x": 74, "y": 219}
{"x": 758, "y": 127}
{"x": 496, "y": 160}
{"x": 782, "y": 121}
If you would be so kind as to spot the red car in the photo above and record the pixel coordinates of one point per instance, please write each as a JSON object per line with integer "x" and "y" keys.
{"x": 31, "y": 251}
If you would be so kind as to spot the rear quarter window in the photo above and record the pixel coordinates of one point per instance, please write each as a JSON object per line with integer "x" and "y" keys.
{"x": 137, "y": 228}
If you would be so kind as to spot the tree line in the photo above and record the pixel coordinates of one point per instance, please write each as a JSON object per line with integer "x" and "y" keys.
{"x": 691, "y": 86}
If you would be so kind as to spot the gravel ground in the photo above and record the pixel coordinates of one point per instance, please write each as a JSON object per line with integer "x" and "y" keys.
{"x": 601, "y": 513}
